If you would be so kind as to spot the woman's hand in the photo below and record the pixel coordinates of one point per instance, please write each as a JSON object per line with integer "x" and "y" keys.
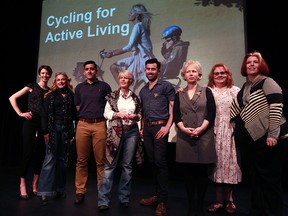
{"x": 108, "y": 54}
{"x": 188, "y": 131}
{"x": 271, "y": 142}
{"x": 180, "y": 90}
{"x": 46, "y": 138}
{"x": 27, "y": 115}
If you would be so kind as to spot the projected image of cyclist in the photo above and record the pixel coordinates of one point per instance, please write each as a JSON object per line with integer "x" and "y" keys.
{"x": 139, "y": 45}
{"x": 174, "y": 51}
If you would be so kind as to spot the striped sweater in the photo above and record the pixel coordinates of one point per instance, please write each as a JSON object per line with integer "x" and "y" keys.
{"x": 263, "y": 112}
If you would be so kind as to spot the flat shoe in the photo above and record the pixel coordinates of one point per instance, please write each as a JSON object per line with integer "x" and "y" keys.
{"x": 230, "y": 207}
{"x": 103, "y": 207}
{"x": 161, "y": 209}
{"x": 124, "y": 204}
{"x": 44, "y": 200}
{"x": 215, "y": 207}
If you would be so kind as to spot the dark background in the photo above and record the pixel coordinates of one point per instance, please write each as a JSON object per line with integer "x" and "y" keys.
{"x": 21, "y": 29}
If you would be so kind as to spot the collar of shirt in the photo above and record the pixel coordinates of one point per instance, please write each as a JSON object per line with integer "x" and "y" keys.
{"x": 125, "y": 96}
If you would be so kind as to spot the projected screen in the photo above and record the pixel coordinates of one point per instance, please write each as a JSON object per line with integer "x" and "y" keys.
{"x": 73, "y": 32}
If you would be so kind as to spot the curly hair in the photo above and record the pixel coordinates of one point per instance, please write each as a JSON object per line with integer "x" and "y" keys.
{"x": 229, "y": 82}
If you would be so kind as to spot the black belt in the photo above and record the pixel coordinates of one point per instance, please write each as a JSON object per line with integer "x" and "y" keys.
{"x": 154, "y": 123}
{"x": 95, "y": 120}
{"x": 129, "y": 127}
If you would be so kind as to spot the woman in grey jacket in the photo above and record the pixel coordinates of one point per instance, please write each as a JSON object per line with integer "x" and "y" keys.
{"x": 194, "y": 114}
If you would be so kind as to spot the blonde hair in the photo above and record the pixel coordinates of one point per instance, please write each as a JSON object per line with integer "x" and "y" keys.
{"x": 127, "y": 74}
{"x": 188, "y": 63}
{"x": 68, "y": 81}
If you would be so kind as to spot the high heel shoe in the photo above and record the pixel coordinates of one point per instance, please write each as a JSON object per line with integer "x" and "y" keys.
{"x": 23, "y": 197}
{"x": 34, "y": 193}
{"x": 34, "y": 185}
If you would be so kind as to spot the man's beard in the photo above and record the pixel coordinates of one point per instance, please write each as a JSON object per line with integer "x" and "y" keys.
{"x": 152, "y": 79}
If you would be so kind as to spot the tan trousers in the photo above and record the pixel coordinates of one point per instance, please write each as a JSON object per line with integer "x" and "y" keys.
{"x": 87, "y": 135}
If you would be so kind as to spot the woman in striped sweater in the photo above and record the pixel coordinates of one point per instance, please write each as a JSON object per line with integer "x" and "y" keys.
{"x": 261, "y": 132}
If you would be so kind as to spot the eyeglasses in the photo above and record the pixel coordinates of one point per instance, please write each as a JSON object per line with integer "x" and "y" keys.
{"x": 220, "y": 73}
{"x": 169, "y": 39}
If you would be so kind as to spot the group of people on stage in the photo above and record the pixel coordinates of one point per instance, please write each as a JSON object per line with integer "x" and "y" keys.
{"x": 215, "y": 124}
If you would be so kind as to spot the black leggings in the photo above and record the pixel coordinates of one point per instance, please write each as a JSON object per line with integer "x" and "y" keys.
{"x": 196, "y": 182}
{"x": 33, "y": 149}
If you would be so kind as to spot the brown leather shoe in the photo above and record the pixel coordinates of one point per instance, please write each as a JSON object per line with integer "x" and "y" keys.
{"x": 149, "y": 201}
{"x": 161, "y": 209}
{"x": 79, "y": 198}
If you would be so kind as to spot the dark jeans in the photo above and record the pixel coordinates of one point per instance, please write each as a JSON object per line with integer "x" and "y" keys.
{"x": 156, "y": 150}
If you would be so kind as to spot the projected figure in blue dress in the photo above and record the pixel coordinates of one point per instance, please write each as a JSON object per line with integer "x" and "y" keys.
{"x": 139, "y": 45}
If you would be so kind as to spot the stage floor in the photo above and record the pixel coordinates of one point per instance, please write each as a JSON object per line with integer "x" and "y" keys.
{"x": 11, "y": 205}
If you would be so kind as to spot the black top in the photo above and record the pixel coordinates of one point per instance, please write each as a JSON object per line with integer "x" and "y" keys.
{"x": 35, "y": 98}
